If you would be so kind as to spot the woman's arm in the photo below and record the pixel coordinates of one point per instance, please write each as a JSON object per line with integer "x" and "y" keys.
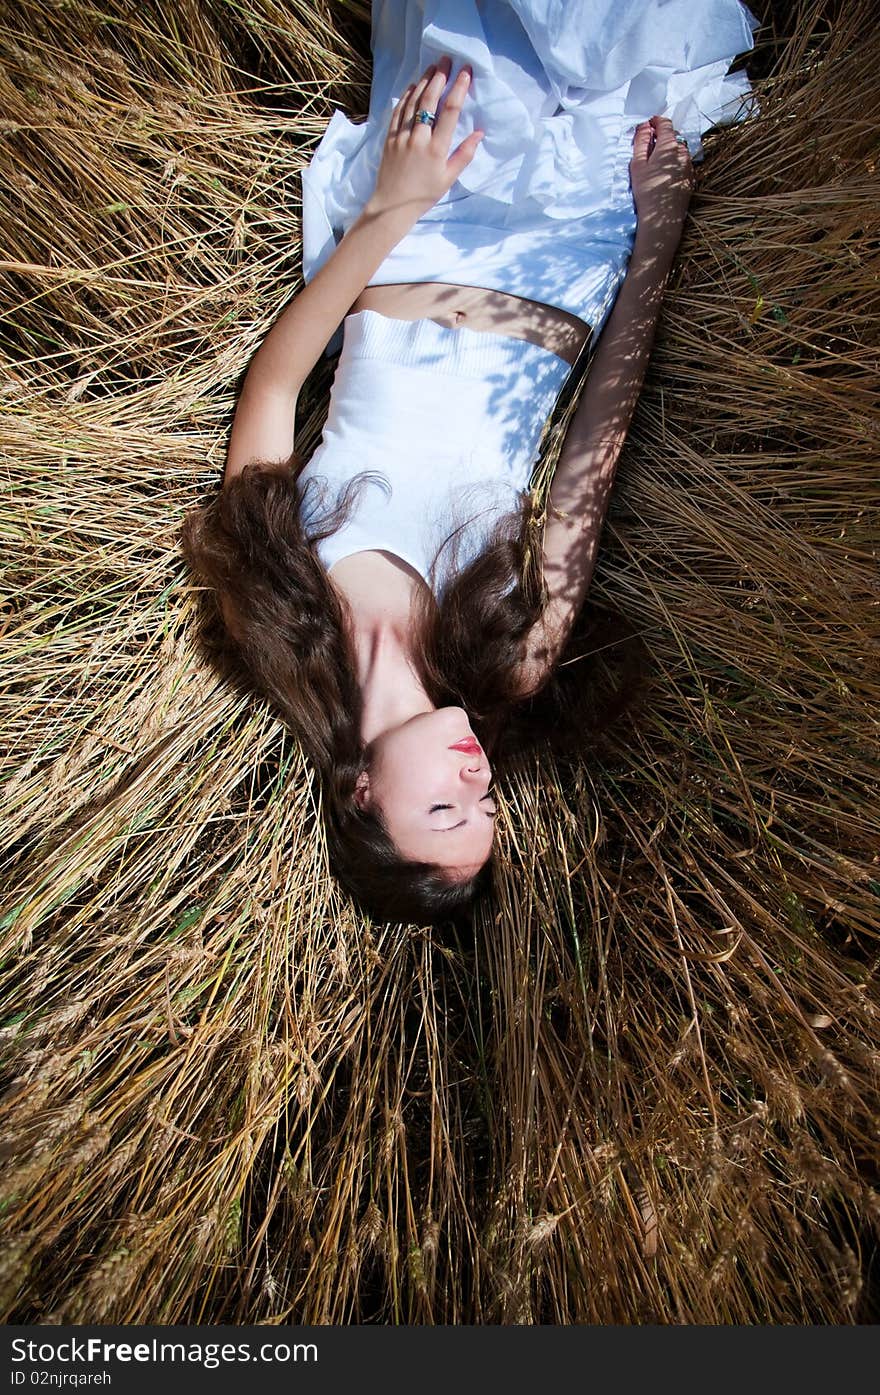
{"x": 263, "y": 426}
{"x": 415, "y": 170}
{"x": 582, "y": 482}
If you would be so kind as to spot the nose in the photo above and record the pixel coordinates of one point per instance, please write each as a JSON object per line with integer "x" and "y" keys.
{"x": 474, "y": 769}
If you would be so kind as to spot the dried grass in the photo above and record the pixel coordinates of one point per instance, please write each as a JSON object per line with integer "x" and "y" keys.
{"x": 646, "y": 1090}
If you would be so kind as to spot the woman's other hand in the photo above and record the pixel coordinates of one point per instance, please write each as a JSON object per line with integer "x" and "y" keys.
{"x": 662, "y": 177}
{"x": 416, "y": 168}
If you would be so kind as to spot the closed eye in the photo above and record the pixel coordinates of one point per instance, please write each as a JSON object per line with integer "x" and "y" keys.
{"x": 434, "y": 807}
{"x": 489, "y": 814}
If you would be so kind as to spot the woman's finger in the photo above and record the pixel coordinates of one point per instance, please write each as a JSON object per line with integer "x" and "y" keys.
{"x": 447, "y": 120}
{"x": 396, "y": 121}
{"x": 414, "y": 101}
{"x": 664, "y": 129}
{"x": 642, "y": 140}
{"x": 430, "y": 97}
{"x": 461, "y": 158}
{"x": 421, "y": 92}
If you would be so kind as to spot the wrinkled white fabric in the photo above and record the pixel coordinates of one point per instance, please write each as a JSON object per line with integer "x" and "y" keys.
{"x": 545, "y": 208}
{"x": 451, "y": 419}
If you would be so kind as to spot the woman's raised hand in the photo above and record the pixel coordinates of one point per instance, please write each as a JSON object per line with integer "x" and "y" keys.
{"x": 662, "y": 179}
{"x": 416, "y": 168}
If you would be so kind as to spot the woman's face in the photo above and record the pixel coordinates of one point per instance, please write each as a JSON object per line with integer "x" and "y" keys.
{"x": 413, "y": 769}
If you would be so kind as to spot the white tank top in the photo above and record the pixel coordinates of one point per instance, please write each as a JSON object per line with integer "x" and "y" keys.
{"x": 450, "y": 419}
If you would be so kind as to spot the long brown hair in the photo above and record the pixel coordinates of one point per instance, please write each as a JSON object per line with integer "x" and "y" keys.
{"x": 290, "y": 629}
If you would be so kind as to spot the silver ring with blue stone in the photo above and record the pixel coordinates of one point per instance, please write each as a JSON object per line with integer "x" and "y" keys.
{"x": 427, "y": 118}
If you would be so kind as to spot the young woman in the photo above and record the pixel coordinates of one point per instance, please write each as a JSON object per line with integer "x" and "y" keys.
{"x": 396, "y": 596}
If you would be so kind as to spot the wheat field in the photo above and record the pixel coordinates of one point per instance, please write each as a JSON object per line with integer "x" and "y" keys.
{"x": 643, "y": 1087}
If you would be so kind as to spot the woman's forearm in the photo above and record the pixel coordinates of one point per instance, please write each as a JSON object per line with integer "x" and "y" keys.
{"x": 581, "y": 486}
{"x": 299, "y": 336}
{"x": 588, "y": 457}
{"x": 265, "y": 415}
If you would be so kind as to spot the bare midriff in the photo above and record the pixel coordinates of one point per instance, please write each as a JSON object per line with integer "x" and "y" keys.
{"x": 473, "y": 307}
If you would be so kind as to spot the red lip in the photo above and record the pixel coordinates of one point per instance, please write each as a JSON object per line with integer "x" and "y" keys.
{"x": 469, "y": 746}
